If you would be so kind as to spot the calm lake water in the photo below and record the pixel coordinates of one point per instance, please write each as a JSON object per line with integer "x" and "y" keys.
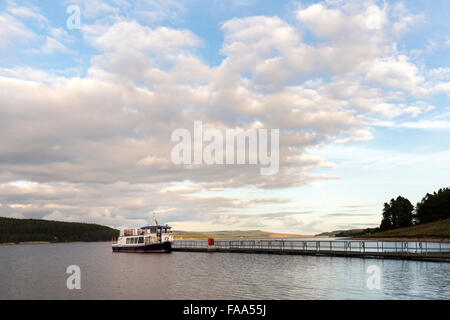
{"x": 39, "y": 272}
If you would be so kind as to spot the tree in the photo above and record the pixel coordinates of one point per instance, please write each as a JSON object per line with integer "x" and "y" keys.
{"x": 386, "y": 223}
{"x": 403, "y": 213}
{"x": 397, "y": 214}
{"x": 433, "y": 207}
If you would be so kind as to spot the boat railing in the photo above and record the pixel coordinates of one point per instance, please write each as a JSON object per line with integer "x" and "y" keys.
{"x": 318, "y": 246}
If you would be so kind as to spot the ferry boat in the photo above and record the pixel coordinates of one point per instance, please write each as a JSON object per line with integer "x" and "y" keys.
{"x": 147, "y": 239}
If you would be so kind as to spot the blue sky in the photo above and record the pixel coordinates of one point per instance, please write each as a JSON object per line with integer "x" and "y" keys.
{"x": 359, "y": 90}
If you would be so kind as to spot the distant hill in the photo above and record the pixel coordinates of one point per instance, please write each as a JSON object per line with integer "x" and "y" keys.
{"x": 246, "y": 234}
{"x": 33, "y": 230}
{"x": 438, "y": 229}
{"x": 346, "y": 233}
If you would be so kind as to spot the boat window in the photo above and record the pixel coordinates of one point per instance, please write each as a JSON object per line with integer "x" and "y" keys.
{"x": 141, "y": 239}
{"x": 128, "y": 240}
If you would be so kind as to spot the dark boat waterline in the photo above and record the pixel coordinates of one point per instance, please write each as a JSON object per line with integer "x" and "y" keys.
{"x": 165, "y": 247}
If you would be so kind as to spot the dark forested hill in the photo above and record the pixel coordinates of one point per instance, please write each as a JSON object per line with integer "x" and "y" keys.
{"x": 24, "y": 230}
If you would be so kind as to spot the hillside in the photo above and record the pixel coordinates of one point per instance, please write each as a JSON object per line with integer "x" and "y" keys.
{"x": 248, "y": 234}
{"x": 32, "y": 230}
{"x": 345, "y": 233}
{"x": 434, "y": 230}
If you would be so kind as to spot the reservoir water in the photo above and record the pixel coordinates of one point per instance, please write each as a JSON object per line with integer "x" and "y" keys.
{"x": 39, "y": 272}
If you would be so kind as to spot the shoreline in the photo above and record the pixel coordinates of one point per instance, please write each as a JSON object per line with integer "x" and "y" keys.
{"x": 25, "y": 243}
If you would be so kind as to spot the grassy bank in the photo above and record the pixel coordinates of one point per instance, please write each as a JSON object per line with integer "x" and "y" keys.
{"x": 439, "y": 230}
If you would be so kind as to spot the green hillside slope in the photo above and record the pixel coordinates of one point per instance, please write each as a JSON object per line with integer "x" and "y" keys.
{"x": 438, "y": 229}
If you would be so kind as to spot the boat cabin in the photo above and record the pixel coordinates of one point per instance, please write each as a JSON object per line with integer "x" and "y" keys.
{"x": 145, "y": 236}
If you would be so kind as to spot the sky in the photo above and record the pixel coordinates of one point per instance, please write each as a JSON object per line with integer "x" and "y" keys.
{"x": 358, "y": 89}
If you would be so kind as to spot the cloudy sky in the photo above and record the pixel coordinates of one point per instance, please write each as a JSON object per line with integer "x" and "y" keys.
{"x": 359, "y": 90}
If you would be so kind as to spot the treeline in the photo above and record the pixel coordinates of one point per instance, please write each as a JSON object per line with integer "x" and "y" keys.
{"x": 400, "y": 213}
{"x": 24, "y": 230}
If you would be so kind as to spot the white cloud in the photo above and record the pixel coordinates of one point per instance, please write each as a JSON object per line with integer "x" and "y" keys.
{"x": 13, "y": 31}
{"x": 159, "y": 40}
{"x": 396, "y": 73}
{"x": 337, "y": 26}
{"x": 440, "y": 73}
{"x": 142, "y": 87}
{"x": 27, "y": 13}
{"x": 61, "y": 35}
{"x": 421, "y": 124}
{"x": 442, "y": 87}
{"x": 405, "y": 21}
{"x": 94, "y": 9}
{"x": 154, "y": 11}
{"x": 51, "y": 46}
{"x": 101, "y": 143}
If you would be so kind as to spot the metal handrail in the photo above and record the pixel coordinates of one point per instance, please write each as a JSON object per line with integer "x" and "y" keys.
{"x": 319, "y": 246}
